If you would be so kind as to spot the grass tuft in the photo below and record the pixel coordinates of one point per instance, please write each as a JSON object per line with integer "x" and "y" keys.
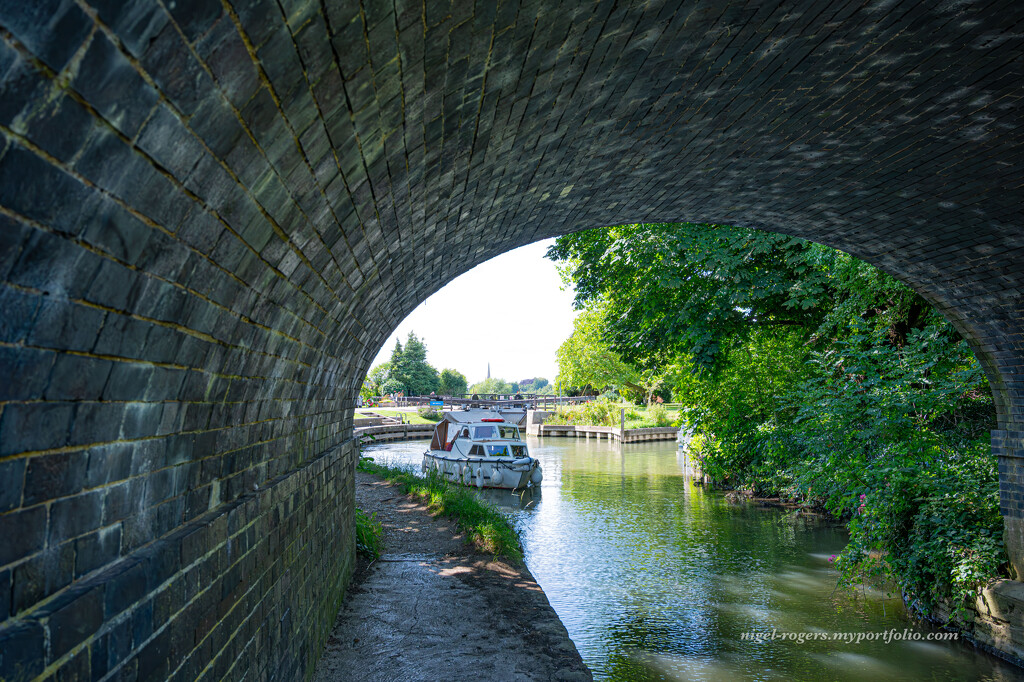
{"x": 369, "y": 535}
{"x": 487, "y": 527}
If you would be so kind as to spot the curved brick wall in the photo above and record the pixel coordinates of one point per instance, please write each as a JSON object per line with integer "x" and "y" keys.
{"x": 212, "y": 213}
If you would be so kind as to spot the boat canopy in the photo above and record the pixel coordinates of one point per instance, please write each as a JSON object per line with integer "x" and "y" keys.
{"x": 485, "y": 424}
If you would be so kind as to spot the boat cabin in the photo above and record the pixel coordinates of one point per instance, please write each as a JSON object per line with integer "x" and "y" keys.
{"x": 478, "y": 433}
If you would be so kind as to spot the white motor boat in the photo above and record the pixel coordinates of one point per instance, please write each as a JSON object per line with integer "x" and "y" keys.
{"x": 482, "y": 447}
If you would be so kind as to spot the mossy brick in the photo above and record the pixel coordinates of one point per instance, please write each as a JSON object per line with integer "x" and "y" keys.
{"x": 108, "y": 463}
{"x": 119, "y": 647}
{"x": 125, "y": 587}
{"x": 28, "y": 427}
{"x": 166, "y": 139}
{"x": 5, "y": 597}
{"x": 12, "y": 476}
{"x": 48, "y": 477}
{"x": 111, "y": 85}
{"x": 24, "y": 532}
{"x": 140, "y": 418}
{"x": 169, "y": 515}
{"x": 53, "y": 30}
{"x": 225, "y": 53}
{"x": 20, "y": 309}
{"x": 75, "y": 669}
{"x": 64, "y": 325}
{"x": 127, "y": 380}
{"x": 13, "y": 234}
{"x": 95, "y": 423}
{"x": 22, "y": 650}
{"x": 135, "y": 22}
{"x": 121, "y": 500}
{"x": 178, "y": 75}
{"x": 97, "y": 549}
{"x": 77, "y": 377}
{"x": 73, "y": 618}
{"x": 117, "y": 232}
{"x": 28, "y": 185}
{"x": 153, "y": 659}
{"x": 25, "y": 372}
{"x": 122, "y": 336}
{"x": 60, "y": 128}
{"x": 22, "y": 85}
{"x": 73, "y": 516}
{"x": 40, "y": 576}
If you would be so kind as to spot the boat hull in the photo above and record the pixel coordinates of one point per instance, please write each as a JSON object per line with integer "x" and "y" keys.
{"x": 479, "y": 472}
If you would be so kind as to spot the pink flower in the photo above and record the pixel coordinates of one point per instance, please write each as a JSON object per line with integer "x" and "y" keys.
{"x": 832, "y": 558}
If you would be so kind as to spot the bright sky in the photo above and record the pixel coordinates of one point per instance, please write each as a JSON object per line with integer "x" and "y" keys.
{"x": 520, "y": 335}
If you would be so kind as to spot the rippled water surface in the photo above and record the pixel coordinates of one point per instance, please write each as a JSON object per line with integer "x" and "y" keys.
{"x": 657, "y": 579}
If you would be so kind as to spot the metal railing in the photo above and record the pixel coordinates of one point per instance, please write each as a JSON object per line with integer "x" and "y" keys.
{"x": 528, "y": 401}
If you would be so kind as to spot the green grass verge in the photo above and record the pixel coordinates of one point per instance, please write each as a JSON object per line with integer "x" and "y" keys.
{"x": 487, "y": 527}
{"x": 603, "y": 413}
{"x": 369, "y": 535}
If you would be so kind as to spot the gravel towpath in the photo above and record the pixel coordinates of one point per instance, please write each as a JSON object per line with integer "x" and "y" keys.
{"x": 433, "y": 608}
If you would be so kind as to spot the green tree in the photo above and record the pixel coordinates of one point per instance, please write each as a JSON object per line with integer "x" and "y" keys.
{"x": 492, "y": 385}
{"x": 805, "y": 372}
{"x": 374, "y": 381}
{"x": 585, "y": 360}
{"x": 392, "y": 386}
{"x": 672, "y": 289}
{"x": 411, "y": 368}
{"x": 396, "y": 365}
{"x": 452, "y": 383}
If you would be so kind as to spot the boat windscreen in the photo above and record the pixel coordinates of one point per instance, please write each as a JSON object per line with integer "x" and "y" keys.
{"x": 510, "y": 432}
{"x": 480, "y": 432}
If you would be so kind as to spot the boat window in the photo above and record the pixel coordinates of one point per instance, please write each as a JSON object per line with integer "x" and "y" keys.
{"x": 498, "y": 451}
{"x": 510, "y": 432}
{"x": 485, "y": 432}
{"x": 518, "y": 451}
{"x": 477, "y": 450}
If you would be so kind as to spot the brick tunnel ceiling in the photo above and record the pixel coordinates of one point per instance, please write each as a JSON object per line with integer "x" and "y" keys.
{"x": 213, "y": 213}
{"x": 296, "y": 177}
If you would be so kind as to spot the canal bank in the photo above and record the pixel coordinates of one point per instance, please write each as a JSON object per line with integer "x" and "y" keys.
{"x": 654, "y": 577}
{"x": 432, "y": 607}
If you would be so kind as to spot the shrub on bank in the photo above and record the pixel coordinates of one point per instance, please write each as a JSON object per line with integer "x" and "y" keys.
{"x": 369, "y": 535}
{"x": 604, "y": 412}
{"x": 430, "y": 413}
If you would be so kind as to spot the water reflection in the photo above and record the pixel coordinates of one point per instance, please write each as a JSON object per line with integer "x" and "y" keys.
{"x": 657, "y": 579}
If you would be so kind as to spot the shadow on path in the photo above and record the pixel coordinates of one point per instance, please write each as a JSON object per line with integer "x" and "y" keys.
{"x": 434, "y": 608}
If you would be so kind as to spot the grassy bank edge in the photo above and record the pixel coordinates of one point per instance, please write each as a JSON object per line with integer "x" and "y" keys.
{"x": 487, "y": 527}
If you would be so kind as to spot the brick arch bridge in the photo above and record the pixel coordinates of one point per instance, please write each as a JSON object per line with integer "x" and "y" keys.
{"x": 213, "y": 212}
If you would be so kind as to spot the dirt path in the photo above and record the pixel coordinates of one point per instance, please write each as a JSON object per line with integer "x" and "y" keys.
{"x": 432, "y": 608}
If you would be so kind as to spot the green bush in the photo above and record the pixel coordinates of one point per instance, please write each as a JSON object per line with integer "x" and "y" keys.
{"x": 659, "y": 415}
{"x": 369, "y": 535}
{"x": 430, "y": 413}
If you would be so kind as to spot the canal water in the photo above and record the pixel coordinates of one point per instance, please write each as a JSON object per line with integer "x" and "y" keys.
{"x": 658, "y": 579}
